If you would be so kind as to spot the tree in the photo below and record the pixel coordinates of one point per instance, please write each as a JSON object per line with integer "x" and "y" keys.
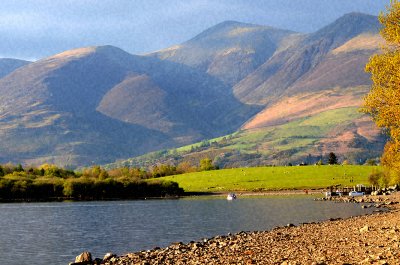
{"x": 370, "y": 162}
{"x": 206, "y": 164}
{"x": 383, "y": 100}
{"x": 345, "y": 162}
{"x": 332, "y": 159}
{"x": 19, "y": 168}
{"x": 185, "y": 167}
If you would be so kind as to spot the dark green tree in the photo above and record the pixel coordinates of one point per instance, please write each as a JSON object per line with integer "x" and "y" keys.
{"x": 332, "y": 159}
{"x": 19, "y": 168}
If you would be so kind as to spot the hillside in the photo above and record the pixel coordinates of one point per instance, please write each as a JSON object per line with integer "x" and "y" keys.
{"x": 343, "y": 131}
{"x": 48, "y": 112}
{"x": 96, "y": 104}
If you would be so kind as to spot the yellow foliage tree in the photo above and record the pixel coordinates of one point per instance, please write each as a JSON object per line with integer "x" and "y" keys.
{"x": 383, "y": 101}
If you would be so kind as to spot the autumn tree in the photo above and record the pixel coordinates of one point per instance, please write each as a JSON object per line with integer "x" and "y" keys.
{"x": 383, "y": 101}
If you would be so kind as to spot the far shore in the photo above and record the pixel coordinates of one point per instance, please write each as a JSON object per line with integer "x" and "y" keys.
{"x": 185, "y": 195}
{"x": 263, "y": 193}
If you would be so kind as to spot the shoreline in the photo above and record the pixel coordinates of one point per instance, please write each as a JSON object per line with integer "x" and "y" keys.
{"x": 367, "y": 239}
{"x": 168, "y": 197}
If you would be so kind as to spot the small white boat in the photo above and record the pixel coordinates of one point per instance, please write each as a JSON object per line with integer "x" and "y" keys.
{"x": 231, "y": 197}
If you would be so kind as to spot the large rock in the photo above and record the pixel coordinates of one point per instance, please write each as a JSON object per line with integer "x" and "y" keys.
{"x": 83, "y": 258}
{"x": 109, "y": 256}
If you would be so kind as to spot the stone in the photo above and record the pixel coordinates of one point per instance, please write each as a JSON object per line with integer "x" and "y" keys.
{"x": 364, "y": 229}
{"x": 85, "y": 257}
{"x": 108, "y": 256}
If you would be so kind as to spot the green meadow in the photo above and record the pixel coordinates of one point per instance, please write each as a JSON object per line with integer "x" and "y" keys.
{"x": 273, "y": 178}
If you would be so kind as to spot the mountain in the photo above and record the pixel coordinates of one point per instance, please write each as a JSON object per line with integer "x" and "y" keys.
{"x": 310, "y": 90}
{"x": 96, "y": 104}
{"x": 312, "y": 60}
{"x": 230, "y": 50}
{"x": 7, "y": 65}
{"x": 48, "y": 112}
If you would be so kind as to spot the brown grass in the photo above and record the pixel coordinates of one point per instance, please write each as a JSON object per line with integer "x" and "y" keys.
{"x": 361, "y": 42}
{"x": 292, "y": 108}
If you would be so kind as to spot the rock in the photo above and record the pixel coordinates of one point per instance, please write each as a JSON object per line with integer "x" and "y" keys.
{"x": 82, "y": 259}
{"x": 108, "y": 256}
{"x": 364, "y": 229}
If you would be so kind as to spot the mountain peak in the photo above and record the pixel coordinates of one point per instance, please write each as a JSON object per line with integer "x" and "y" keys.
{"x": 227, "y": 28}
{"x": 234, "y": 23}
{"x": 82, "y": 52}
{"x": 348, "y": 26}
{"x": 359, "y": 20}
{"x": 109, "y": 49}
{"x": 357, "y": 15}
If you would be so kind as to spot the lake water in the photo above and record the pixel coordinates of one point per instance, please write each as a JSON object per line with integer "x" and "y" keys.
{"x": 54, "y": 233}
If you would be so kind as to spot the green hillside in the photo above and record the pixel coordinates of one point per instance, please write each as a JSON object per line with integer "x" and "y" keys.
{"x": 273, "y": 178}
{"x": 299, "y": 141}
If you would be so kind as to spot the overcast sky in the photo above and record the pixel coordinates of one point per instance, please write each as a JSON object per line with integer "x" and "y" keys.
{"x": 32, "y": 29}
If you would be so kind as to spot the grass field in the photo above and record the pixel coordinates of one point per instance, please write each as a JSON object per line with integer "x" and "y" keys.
{"x": 273, "y": 178}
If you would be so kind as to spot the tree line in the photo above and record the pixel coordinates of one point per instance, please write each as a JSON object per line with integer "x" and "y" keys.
{"x": 49, "y": 182}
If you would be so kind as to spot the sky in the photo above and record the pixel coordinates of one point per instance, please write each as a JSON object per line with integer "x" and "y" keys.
{"x": 33, "y": 29}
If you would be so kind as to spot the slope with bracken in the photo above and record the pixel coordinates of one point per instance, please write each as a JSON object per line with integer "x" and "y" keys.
{"x": 333, "y": 80}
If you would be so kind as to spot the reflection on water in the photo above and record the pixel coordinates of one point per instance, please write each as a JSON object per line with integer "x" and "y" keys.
{"x": 44, "y": 233}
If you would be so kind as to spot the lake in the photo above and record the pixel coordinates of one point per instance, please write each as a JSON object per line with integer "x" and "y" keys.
{"x": 54, "y": 233}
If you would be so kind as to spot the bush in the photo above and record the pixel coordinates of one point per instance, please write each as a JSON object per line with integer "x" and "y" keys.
{"x": 49, "y": 181}
{"x": 381, "y": 179}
